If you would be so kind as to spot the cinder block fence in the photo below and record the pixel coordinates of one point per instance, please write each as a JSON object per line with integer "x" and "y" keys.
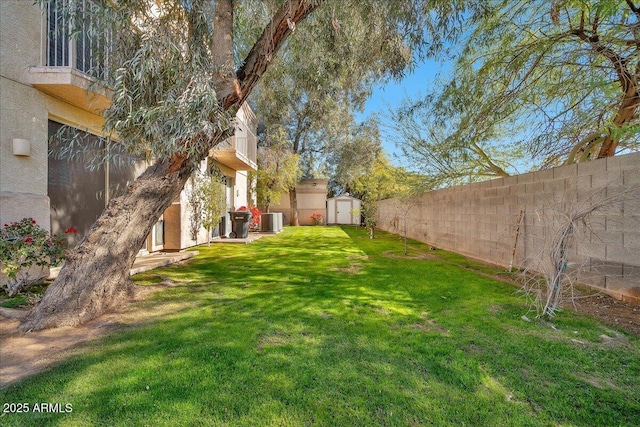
{"x": 481, "y": 220}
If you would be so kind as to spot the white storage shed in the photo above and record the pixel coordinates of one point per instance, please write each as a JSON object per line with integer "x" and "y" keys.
{"x": 343, "y": 209}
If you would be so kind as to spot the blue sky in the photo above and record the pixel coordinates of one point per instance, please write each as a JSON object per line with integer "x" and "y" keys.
{"x": 390, "y": 95}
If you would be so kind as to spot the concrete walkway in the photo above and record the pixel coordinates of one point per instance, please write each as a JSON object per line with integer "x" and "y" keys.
{"x": 252, "y": 237}
{"x": 159, "y": 259}
{"x": 146, "y": 262}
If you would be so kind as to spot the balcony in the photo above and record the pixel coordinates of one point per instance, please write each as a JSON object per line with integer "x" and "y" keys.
{"x": 74, "y": 55}
{"x": 72, "y": 86}
{"x": 240, "y": 151}
{"x": 237, "y": 152}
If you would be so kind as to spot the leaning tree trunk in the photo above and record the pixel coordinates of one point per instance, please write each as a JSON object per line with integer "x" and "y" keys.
{"x": 95, "y": 276}
{"x": 107, "y": 252}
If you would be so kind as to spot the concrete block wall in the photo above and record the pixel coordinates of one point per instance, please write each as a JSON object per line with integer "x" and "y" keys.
{"x": 480, "y": 220}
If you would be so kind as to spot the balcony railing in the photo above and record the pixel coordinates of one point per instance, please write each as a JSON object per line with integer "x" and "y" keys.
{"x": 76, "y": 37}
{"x": 246, "y": 146}
{"x": 238, "y": 152}
{"x": 75, "y": 53}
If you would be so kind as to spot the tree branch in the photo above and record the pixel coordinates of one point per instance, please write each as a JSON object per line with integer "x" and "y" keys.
{"x": 633, "y": 8}
{"x": 488, "y": 162}
{"x": 625, "y": 77}
{"x": 224, "y": 79}
{"x": 232, "y": 88}
{"x": 628, "y": 82}
{"x": 263, "y": 51}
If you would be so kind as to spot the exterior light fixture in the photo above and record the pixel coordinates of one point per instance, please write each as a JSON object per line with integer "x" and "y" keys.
{"x": 21, "y": 147}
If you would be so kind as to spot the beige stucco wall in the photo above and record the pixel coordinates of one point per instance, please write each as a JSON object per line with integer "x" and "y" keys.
{"x": 24, "y": 112}
{"x": 20, "y": 23}
{"x": 283, "y": 206}
{"x": 241, "y": 182}
{"x": 311, "y": 197}
{"x": 480, "y": 220}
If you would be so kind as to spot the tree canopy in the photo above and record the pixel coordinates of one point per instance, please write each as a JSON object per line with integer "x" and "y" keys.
{"x": 546, "y": 82}
{"x": 329, "y": 67}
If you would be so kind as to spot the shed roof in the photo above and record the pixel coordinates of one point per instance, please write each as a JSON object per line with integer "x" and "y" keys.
{"x": 344, "y": 197}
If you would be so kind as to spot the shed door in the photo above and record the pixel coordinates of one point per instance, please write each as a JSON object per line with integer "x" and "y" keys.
{"x": 343, "y": 208}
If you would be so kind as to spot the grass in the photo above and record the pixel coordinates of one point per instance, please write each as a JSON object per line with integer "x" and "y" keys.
{"x": 23, "y": 299}
{"x": 321, "y": 326}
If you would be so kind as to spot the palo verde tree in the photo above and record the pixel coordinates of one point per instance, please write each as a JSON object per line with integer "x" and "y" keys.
{"x": 381, "y": 181}
{"x": 181, "y": 70}
{"x": 547, "y": 82}
{"x": 447, "y": 148}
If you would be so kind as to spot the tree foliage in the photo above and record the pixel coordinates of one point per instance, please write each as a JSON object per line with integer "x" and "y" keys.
{"x": 544, "y": 82}
{"x": 449, "y": 151}
{"x": 383, "y": 181}
{"x": 278, "y": 170}
{"x": 352, "y": 156}
{"x": 207, "y": 200}
{"x": 328, "y": 70}
{"x": 164, "y": 98}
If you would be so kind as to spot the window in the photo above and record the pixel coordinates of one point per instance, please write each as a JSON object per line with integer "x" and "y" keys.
{"x": 76, "y": 193}
{"x": 80, "y": 182}
{"x": 158, "y": 233}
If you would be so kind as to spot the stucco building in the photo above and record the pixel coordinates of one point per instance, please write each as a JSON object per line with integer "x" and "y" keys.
{"x": 311, "y": 200}
{"x": 46, "y": 88}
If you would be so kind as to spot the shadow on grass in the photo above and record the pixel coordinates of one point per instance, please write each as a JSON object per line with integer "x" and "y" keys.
{"x": 282, "y": 332}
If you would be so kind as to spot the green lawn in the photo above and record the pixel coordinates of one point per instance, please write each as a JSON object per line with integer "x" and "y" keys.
{"x": 321, "y": 326}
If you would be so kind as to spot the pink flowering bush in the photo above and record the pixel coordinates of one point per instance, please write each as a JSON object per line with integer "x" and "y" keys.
{"x": 23, "y": 245}
{"x": 317, "y": 219}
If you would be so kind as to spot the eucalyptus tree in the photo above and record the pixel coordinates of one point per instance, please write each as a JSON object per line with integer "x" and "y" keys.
{"x": 537, "y": 81}
{"x": 182, "y": 69}
{"x": 312, "y": 88}
{"x": 327, "y": 73}
{"x": 308, "y": 111}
